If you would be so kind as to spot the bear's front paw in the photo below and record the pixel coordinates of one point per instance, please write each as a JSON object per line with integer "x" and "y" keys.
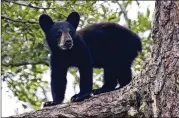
{"x": 80, "y": 97}
{"x": 48, "y": 104}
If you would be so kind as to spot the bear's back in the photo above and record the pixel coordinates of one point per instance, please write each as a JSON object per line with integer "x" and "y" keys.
{"x": 110, "y": 39}
{"x": 106, "y": 34}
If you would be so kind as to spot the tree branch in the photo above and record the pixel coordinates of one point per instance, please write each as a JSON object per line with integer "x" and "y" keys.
{"x": 123, "y": 10}
{"x": 120, "y": 103}
{"x": 19, "y": 21}
{"x": 26, "y": 63}
{"x": 28, "y": 5}
{"x": 137, "y": 2}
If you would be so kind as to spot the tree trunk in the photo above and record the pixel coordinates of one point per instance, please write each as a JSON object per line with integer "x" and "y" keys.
{"x": 153, "y": 93}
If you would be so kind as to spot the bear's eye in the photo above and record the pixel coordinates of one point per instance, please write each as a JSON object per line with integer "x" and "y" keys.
{"x": 69, "y": 30}
{"x": 58, "y": 33}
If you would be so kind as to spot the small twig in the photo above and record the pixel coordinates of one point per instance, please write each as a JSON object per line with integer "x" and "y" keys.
{"x": 20, "y": 21}
{"x": 123, "y": 10}
{"x": 44, "y": 93}
{"x": 137, "y": 2}
{"x": 26, "y": 63}
{"x": 28, "y": 5}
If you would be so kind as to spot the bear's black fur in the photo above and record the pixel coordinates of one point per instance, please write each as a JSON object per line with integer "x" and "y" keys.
{"x": 102, "y": 45}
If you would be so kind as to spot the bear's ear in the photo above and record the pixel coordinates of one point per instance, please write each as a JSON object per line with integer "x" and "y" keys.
{"x": 45, "y": 22}
{"x": 74, "y": 19}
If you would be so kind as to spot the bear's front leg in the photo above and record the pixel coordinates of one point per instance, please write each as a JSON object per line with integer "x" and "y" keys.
{"x": 86, "y": 83}
{"x": 58, "y": 85}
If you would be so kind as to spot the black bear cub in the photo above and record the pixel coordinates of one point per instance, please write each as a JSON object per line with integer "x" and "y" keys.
{"x": 101, "y": 45}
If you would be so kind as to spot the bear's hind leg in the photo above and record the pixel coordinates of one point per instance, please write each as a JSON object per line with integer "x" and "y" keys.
{"x": 125, "y": 76}
{"x": 110, "y": 80}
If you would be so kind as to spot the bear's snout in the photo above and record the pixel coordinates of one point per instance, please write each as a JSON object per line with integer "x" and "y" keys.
{"x": 66, "y": 41}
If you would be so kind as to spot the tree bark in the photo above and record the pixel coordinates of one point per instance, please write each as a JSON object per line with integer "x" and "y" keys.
{"x": 153, "y": 93}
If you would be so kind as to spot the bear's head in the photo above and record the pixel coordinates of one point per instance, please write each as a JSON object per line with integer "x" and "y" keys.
{"x": 60, "y": 34}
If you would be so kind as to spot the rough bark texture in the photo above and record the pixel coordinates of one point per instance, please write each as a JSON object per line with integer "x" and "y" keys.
{"x": 153, "y": 93}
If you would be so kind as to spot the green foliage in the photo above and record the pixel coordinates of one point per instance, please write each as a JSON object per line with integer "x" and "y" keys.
{"x": 141, "y": 26}
{"x": 25, "y": 54}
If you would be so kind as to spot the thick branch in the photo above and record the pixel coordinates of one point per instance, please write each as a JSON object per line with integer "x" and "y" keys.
{"x": 121, "y": 103}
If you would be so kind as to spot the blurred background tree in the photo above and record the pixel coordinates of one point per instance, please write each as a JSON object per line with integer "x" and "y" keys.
{"x": 25, "y": 54}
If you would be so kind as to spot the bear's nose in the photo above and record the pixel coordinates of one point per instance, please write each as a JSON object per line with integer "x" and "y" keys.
{"x": 68, "y": 41}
